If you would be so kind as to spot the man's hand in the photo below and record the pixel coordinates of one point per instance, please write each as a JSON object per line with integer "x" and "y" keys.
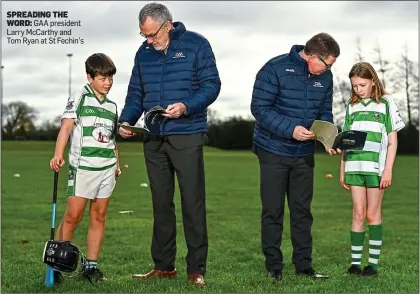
{"x": 333, "y": 152}
{"x": 125, "y": 133}
{"x": 56, "y": 163}
{"x": 386, "y": 180}
{"x": 175, "y": 110}
{"x": 302, "y": 134}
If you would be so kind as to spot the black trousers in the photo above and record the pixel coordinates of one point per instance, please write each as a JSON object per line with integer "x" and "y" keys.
{"x": 293, "y": 177}
{"x": 183, "y": 155}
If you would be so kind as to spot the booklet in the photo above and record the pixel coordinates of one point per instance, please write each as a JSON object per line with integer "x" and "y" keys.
{"x": 152, "y": 121}
{"x": 327, "y": 134}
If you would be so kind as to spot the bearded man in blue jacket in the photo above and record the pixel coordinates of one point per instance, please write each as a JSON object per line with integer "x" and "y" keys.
{"x": 290, "y": 92}
{"x": 176, "y": 69}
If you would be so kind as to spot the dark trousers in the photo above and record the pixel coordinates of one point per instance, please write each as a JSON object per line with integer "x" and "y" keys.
{"x": 183, "y": 155}
{"x": 293, "y": 177}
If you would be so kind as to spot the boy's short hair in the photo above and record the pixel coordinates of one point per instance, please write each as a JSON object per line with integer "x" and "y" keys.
{"x": 100, "y": 64}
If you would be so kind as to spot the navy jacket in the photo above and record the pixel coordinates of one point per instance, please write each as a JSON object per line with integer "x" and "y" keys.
{"x": 187, "y": 74}
{"x": 285, "y": 95}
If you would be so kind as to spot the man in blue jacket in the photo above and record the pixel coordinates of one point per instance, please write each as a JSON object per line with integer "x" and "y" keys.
{"x": 175, "y": 69}
{"x": 290, "y": 92}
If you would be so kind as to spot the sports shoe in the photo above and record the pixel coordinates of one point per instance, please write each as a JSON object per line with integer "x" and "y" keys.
{"x": 94, "y": 275}
{"x": 369, "y": 271}
{"x": 354, "y": 270}
{"x": 58, "y": 277}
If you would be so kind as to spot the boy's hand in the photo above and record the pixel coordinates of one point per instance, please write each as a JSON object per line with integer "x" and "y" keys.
{"x": 117, "y": 172}
{"x": 56, "y": 163}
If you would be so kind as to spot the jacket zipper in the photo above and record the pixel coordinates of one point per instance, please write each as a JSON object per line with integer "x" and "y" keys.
{"x": 161, "y": 76}
{"x": 306, "y": 103}
{"x": 164, "y": 67}
{"x": 306, "y": 96}
{"x": 161, "y": 83}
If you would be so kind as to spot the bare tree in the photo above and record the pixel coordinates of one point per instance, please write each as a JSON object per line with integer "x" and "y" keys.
{"x": 383, "y": 66}
{"x": 359, "y": 55}
{"x": 342, "y": 92}
{"x": 406, "y": 81}
{"x": 18, "y": 118}
{"x": 51, "y": 125}
{"x": 212, "y": 117}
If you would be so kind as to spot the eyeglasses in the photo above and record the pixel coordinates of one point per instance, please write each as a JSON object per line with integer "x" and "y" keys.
{"x": 327, "y": 66}
{"x": 152, "y": 36}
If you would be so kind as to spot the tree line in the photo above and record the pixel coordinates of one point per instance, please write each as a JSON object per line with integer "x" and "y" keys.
{"x": 399, "y": 77}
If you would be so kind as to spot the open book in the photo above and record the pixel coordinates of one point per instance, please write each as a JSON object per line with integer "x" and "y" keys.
{"x": 327, "y": 134}
{"x": 152, "y": 121}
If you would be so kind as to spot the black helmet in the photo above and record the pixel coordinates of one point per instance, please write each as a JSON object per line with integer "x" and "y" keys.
{"x": 62, "y": 255}
{"x": 153, "y": 119}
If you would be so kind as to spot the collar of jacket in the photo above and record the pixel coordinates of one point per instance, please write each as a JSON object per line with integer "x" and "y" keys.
{"x": 294, "y": 53}
{"x": 300, "y": 62}
{"x": 179, "y": 29}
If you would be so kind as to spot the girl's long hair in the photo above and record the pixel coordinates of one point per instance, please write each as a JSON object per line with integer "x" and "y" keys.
{"x": 366, "y": 71}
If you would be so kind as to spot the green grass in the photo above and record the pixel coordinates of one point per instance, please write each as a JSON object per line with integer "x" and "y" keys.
{"x": 235, "y": 260}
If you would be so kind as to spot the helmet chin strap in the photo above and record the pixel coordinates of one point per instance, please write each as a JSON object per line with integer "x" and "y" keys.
{"x": 78, "y": 270}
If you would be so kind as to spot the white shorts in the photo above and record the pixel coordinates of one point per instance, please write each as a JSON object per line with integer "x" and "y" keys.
{"x": 91, "y": 184}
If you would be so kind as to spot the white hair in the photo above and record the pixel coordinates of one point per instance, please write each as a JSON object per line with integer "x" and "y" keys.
{"x": 158, "y": 12}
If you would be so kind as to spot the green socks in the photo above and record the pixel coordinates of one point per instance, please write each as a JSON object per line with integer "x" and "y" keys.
{"x": 90, "y": 264}
{"x": 375, "y": 244}
{"x": 357, "y": 239}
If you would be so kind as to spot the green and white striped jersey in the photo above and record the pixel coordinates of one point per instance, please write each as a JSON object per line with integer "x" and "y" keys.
{"x": 378, "y": 120}
{"x": 92, "y": 140}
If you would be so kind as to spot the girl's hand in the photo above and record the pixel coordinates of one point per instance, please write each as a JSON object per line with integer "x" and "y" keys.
{"x": 342, "y": 181}
{"x": 386, "y": 180}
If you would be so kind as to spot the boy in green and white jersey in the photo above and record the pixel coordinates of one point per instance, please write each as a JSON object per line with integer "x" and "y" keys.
{"x": 90, "y": 119}
{"x": 366, "y": 173}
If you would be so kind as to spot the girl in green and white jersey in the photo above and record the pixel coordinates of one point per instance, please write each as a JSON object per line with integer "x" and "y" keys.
{"x": 366, "y": 173}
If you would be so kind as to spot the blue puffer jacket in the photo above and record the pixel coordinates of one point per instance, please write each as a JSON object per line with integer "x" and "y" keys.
{"x": 187, "y": 74}
{"x": 285, "y": 95}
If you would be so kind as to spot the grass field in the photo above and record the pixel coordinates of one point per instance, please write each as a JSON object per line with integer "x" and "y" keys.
{"x": 235, "y": 260}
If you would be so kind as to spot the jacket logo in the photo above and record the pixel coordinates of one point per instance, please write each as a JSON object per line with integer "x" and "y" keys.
{"x": 179, "y": 55}
{"x": 318, "y": 85}
{"x": 290, "y": 69}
